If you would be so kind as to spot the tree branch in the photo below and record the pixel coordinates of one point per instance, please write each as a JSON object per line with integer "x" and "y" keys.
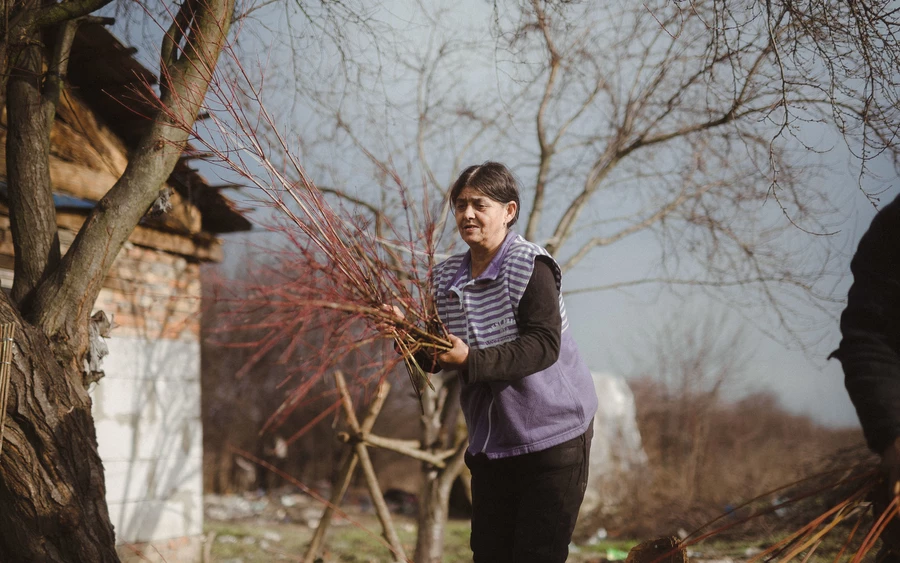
{"x": 659, "y": 215}
{"x": 65, "y": 11}
{"x": 546, "y": 147}
{"x": 64, "y": 300}
{"x": 57, "y": 70}
{"x": 32, "y": 214}
{"x": 691, "y": 282}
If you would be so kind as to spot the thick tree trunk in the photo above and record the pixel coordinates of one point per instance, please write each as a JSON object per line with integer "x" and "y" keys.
{"x": 32, "y": 215}
{"x": 51, "y": 478}
{"x": 52, "y": 491}
{"x": 434, "y": 502}
{"x": 190, "y": 51}
{"x": 439, "y": 432}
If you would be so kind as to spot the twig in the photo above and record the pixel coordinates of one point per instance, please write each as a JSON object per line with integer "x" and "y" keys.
{"x": 7, "y": 330}
{"x": 409, "y": 448}
{"x": 305, "y": 489}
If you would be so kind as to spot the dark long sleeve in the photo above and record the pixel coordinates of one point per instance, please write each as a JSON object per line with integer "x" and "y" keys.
{"x": 537, "y": 346}
{"x": 870, "y": 325}
{"x": 427, "y": 361}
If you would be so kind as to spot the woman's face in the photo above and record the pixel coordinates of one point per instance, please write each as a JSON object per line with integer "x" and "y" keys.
{"x": 481, "y": 221}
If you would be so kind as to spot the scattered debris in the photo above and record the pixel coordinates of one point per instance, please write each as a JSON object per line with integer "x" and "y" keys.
{"x": 272, "y": 536}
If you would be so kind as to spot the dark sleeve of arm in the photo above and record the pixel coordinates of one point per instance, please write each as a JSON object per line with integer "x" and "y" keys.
{"x": 537, "y": 346}
{"x": 870, "y": 325}
{"x": 426, "y": 360}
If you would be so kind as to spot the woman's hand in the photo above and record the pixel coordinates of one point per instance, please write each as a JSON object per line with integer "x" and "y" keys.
{"x": 456, "y": 358}
{"x": 394, "y": 310}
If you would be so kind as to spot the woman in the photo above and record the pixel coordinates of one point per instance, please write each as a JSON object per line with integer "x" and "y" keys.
{"x": 528, "y": 397}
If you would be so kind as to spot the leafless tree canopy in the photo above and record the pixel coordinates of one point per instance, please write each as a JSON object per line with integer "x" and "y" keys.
{"x": 682, "y": 124}
{"x": 687, "y": 124}
{"x": 847, "y": 51}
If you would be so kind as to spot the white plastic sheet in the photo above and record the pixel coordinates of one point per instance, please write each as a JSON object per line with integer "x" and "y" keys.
{"x": 616, "y": 451}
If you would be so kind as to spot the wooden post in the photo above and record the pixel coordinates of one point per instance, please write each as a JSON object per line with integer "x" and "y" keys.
{"x": 365, "y": 463}
{"x": 349, "y": 466}
{"x": 359, "y": 437}
{"x": 7, "y": 331}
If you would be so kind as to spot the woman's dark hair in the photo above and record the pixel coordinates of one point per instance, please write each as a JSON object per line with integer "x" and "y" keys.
{"x": 491, "y": 179}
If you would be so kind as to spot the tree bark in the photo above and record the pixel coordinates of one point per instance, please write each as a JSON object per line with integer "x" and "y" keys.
{"x": 434, "y": 501}
{"x": 434, "y": 506}
{"x": 63, "y": 301}
{"x": 32, "y": 214}
{"x": 52, "y": 489}
{"x": 51, "y": 478}
{"x": 438, "y": 434}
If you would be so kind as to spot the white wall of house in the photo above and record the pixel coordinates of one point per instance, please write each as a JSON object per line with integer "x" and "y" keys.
{"x": 147, "y": 415}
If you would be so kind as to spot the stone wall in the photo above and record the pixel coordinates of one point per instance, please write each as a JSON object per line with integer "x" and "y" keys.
{"x": 147, "y": 414}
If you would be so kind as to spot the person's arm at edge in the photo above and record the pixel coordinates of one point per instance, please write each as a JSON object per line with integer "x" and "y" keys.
{"x": 869, "y": 351}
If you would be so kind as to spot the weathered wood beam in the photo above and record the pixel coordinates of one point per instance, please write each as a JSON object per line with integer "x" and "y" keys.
{"x": 365, "y": 464}
{"x": 90, "y": 184}
{"x": 409, "y": 448}
{"x": 207, "y": 250}
{"x": 203, "y": 251}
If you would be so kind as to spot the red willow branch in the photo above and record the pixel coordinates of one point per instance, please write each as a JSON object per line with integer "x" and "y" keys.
{"x": 336, "y": 262}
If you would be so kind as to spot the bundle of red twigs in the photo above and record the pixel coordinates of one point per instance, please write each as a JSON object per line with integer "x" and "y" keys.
{"x": 340, "y": 263}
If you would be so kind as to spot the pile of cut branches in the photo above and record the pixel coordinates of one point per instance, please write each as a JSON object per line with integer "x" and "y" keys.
{"x": 828, "y": 515}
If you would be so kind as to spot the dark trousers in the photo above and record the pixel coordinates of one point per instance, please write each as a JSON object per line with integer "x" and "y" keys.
{"x": 524, "y": 507}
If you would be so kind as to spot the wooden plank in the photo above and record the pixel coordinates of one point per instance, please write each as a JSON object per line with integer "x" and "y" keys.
{"x": 88, "y": 183}
{"x": 71, "y": 178}
{"x": 208, "y": 250}
{"x": 110, "y": 282}
{"x": 79, "y": 180}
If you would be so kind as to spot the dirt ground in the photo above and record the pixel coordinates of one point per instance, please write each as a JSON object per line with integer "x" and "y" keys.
{"x": 257, "y": 529}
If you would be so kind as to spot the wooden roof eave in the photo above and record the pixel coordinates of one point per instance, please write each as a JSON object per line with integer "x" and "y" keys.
{"x": 196, "y": 247}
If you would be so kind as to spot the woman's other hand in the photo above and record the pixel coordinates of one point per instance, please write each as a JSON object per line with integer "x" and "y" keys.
{"x": 387, "y": 326}
{"x": 457, "y": 357}
{"x": 397, "y": 312}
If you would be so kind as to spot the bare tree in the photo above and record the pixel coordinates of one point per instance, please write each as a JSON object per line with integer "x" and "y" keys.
{"x": 693, "y": 362}
{"x": 51, "y": 479}
{"x": 621, "y": 126}
{"x": 846, "y": 51}
{"x": 623, "y": 121}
